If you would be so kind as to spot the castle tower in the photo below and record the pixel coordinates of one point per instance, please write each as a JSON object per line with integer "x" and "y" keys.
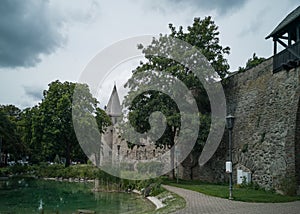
{"x": 113, "y": 108}
{"x": 109, "y": 138}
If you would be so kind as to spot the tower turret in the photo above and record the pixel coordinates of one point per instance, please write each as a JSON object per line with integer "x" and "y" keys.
{"x": 113, "y": 108}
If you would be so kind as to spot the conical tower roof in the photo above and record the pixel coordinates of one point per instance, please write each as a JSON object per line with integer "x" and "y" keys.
{"x": 113, "y": 108}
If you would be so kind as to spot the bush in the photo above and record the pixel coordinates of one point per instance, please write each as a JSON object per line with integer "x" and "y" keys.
{"x": 251, "y": 185}
{"x": 150, "y": 187}
{"x": 156, "y": 189}
{"x": 3, "y": 172}
{"x": 17, "y": 169}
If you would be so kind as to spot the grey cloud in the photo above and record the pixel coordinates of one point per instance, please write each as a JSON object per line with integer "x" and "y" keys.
{"x": 221, "y": 6}
{"x": 34, "y": 92}
{"x": 27, "y": 30}
{"x": 254, "y": 25}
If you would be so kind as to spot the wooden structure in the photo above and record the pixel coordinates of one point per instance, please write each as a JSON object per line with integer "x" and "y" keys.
{"x": 287, "y": 34}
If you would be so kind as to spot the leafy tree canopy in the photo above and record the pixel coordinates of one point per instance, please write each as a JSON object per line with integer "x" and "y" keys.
{"x": 46, "y": 130}
{"x": 202, "y": 34}
{"x": 252, "y": 62}
{"x": 48, "y": 127}
{"x": 9, "y": 133}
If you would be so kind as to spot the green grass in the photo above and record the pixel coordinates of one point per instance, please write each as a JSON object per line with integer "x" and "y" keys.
{"x": 239, "y": 194}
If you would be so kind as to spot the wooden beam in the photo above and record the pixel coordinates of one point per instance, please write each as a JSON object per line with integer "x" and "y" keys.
{"x": 282, "y": 43}
{"x": 289, "y": 49}
{"x": 275, "y": 46}
{"x": 284, "y": 37}
{"x": 298, "y": 33}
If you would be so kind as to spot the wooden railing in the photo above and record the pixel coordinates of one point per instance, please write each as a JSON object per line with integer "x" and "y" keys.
{"x": 286, "y": 56}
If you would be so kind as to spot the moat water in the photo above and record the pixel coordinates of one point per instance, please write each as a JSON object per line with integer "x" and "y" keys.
{"x": 20, "y": 195}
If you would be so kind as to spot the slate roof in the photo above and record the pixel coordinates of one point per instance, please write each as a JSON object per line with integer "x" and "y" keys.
{"x": 113, "y": 107}
{"x": 295, "y": 14}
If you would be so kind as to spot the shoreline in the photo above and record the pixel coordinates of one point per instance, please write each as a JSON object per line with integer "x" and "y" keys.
{"x": 154, "y": 200}
{"x": 158, "y": 203}
{"x": 75, "y": 180}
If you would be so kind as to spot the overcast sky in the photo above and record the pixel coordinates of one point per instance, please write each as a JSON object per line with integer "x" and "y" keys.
{"x": 42, "y": 41}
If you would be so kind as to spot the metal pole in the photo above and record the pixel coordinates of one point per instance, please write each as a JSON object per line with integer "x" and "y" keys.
{"x": 177, "y": 173}
{"x": 176, "y": 153}
{"x": 230, "y": 159}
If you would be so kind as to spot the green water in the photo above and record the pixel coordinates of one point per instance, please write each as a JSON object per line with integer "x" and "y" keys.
{"x": 32, "y": 196}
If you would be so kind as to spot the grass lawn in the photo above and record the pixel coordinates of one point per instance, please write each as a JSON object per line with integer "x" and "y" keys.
{"x": 239, "y": 194}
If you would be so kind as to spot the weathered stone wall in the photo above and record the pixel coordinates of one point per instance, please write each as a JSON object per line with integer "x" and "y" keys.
{"x": 265, "y": 107}
{"x": 297, "y": 146}
{"x": 115, "y": 150}
{"x": 146, "y": 152}
{"x": 213, "y": 171}
{"x": 266, "y": 133}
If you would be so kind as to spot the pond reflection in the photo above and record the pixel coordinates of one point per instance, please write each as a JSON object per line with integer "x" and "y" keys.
{"x": 21, "y": 195}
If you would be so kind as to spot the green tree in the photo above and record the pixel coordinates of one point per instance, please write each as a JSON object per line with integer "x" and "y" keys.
{"x": 57, "y": 136}
{"x": 7, "y": 130}
{"x": 11, "y": 142}
{"x": 203, "y": 35}
{"x": 89, "y": 122}
{"x": 102, "y": 119}
{"x": 25, "y": 130}
{"x": 34, "y": 132}
{"x": 252, "y": 62}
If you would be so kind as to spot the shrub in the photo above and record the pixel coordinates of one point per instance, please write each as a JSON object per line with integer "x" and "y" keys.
{"x": 156, "y": 189}
{"x": 150, "y": 187}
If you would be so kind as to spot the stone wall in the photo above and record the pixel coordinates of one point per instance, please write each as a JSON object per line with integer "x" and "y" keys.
{"x": 265, "y": 107}
{"x": 297, "y": 147}
{"x": 213, "y": 171}
{"x": 115, "y": 150}
{"x": 266, "y": 133}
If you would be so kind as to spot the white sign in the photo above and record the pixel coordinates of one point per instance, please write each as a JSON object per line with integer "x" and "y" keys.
{"x": 228, "y": 167}
{"x": 243, "y": 175}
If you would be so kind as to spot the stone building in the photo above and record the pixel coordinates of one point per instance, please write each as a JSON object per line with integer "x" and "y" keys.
{"x": 115, "y": 148}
